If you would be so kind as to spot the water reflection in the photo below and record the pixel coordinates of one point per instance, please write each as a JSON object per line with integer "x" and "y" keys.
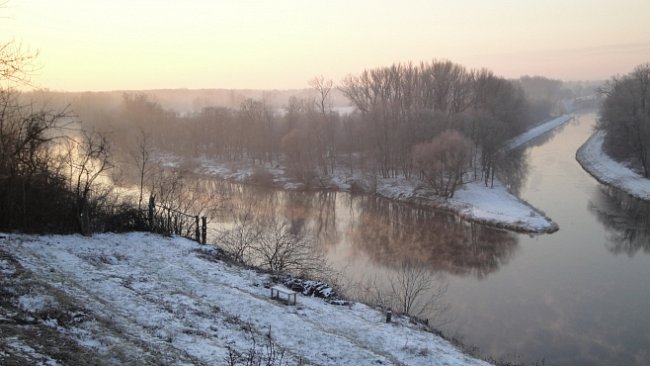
{"x": 513, "y": 170}
{"x": 626, "y": 219}
{"x": 390, "y": 233}
{"x": 386, "y": 232}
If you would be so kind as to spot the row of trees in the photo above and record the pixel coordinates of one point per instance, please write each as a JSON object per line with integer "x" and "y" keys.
{"x": 436, "y": 120}
{"x": 56, "y": 176}
{"x": 405, "y": 104}
{"x": 625, "y": 116}
{"x": 48, "y": 181}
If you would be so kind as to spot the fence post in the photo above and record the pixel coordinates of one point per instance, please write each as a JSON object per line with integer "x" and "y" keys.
{"x": 151, "y": 210}
{"x": 197, "y": 232}
{"x": 204, "y": 228}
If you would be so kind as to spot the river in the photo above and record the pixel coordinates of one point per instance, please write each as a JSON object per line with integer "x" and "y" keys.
{"x": 580, "y": 296}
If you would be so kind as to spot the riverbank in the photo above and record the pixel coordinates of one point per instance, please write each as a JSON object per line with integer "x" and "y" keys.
{"x": 494, "y": 206}
{"x": 103, "y": 300}
{"x": 595, "y": 161}
{"x": 537, "y": 131}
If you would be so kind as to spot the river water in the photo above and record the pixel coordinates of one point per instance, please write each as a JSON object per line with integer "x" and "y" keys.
{"x": 580, "y": 296}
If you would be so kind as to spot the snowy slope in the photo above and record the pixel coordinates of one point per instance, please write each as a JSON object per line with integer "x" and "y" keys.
{"x": 149, "y": 300}
{"x": 608, "y": 171}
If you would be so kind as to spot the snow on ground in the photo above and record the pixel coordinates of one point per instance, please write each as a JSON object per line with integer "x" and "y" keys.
{"x": 537, "y": 131}
{"x": 16, "y": 345}
{"x": 473, "y": 201}
{"x": 147, "y": 299}
{"x": 608, "y": 171}
{"x": 499, "y": 207}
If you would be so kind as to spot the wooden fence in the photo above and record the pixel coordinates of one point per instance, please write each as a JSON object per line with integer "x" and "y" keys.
{"x": 168, "y": 221}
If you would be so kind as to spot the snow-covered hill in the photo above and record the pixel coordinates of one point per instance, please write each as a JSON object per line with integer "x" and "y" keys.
{"x": 143, "y": 299}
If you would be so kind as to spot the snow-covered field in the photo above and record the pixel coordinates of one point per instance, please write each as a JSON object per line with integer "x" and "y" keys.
{"x": 608, "y": 171}
{"x": 142, "y": 299}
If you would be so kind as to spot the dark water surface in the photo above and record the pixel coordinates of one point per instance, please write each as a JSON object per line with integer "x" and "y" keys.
{"x": 580, "y": 296}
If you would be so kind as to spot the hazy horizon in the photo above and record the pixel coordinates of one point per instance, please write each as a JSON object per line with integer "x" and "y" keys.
{"x": 142, "y": 45}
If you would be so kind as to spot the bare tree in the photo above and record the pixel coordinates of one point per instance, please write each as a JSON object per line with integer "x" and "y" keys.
{"x": 323, "y": 87}
{"x": 245, "y": 232}
{"x": 442, "y": 161}
{"x": 257, "y": 121}
{"x": 279, "y": 250}
{"x": 92, "y": 159}
{"x": 298, "y": 147}
{"x": 142, "y": 158}
{"x": 16, "y": 65}
{"x": 325, "y": 129}
{"x": 416, "y": 291}
{"x": 410, "y": 289}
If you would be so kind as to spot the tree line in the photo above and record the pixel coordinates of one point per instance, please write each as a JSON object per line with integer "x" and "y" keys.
{"x": 55, "y": 173}
{"x": 625, "y": 116}
{"x": 435, "y": 120}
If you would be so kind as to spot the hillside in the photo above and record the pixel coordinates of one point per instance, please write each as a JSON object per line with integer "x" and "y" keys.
{"x": 147, "y": 300}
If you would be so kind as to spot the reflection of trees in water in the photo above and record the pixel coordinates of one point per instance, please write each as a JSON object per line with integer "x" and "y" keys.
{"x": 626, "y": 218}
{"x": 391, "y": 233}
{"x": 312, "y": 212}
{"x": 325, "y": 218}
{"x": 305, "y": 213}
{"x": 513, "y": 169}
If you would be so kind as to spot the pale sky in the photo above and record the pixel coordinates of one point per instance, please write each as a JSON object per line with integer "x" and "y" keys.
{"x": 281, "y": 44}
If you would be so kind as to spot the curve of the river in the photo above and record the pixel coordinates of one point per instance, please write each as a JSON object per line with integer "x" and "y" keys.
{"x": 580, "y": 296}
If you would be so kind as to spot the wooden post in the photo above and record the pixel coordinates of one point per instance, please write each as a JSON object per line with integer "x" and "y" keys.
{"x": 151, "y": 210}
{"x": 198, "y": 230}
{"x": 204, "y": 229}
